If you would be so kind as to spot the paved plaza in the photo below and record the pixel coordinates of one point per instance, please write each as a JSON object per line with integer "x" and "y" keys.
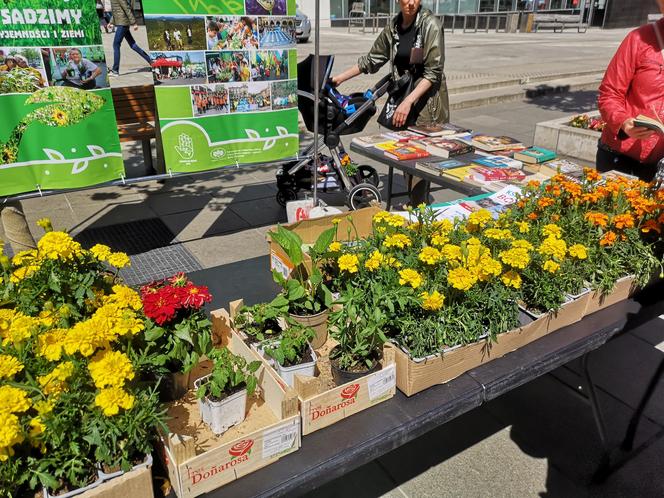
{"x": 539, "y": 440}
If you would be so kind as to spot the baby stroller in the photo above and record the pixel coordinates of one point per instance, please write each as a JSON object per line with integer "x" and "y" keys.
{"x": 338, "y": 115}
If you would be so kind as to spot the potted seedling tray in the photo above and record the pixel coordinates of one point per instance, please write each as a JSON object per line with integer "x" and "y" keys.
{"x": 417, "y": 374}
{"x": 198, "y": 461}
{"x": 137, "y": 482}
{"x": 322, "y": 402}
{"x": 622, "y": 290}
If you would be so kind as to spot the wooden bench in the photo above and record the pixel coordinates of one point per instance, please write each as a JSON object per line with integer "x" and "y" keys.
{"x": 559, "y": 22}
{"x": 135, "y": 111}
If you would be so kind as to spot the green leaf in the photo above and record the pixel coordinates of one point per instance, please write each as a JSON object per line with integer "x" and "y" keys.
{"x": 324, "y": 240}
{"x": 183, "y": 333}
{"x": 154, "y": 333}
{"x": 290, "y": 243}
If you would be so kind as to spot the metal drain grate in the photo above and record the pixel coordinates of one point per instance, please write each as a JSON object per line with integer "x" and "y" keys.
{"x": 159, "y": 263}
{"x": 134, "y": 237}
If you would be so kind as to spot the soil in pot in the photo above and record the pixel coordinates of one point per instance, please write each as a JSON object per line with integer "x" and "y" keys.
{"x": 66, "y": 489}
{"x": 306, "y": 358}
{"x": 344, "y": 376}
{"x": 225, "y": 395}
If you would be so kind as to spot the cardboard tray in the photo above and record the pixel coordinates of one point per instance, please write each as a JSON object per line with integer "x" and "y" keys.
{"x": 135, "y": 483}
{"x": 622, "y": 290}
{"x": 416, "y": 375}
{"x": 198, "y": 461}
{"x": 321, "y": 403}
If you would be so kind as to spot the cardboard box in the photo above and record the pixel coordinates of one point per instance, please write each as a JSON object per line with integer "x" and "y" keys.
{"x": 623, "y": 289}
{"x": 199, "y": 462}
{"x": 135, "y": 483}
{"x": 310, "y": 230}
{"x": 320, "y": 405}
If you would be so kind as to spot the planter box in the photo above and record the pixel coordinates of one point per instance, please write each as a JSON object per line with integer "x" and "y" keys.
{"x": 569, "y": 313}
{"x": 321, "y": 402}
{"x": 134, "y": 483}
{"x": 624, "y": 289}
{"x": 416, "y": 375}
{"x": 566, "y": 140}
{"x": 310, "y": 230}
{"x": 198, "y": 461}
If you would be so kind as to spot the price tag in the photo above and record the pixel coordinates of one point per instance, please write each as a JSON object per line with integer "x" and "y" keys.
{"x": 279, "y": 440}
{"x": 276, "y": 263}
{"x": 381, "y": 382}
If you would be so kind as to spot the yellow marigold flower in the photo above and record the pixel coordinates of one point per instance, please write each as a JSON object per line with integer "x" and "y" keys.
{"x": 511, "y": 279}
{"x": 55, "y": 382}
{"x": 10, "y": 435}
{"x": 374, "y": 261}
{"x": 82, "y": 338}
{"x": 46, "y": 224}
{"x": 392, "y": 262}
{"x": 516, "y": 257}
{"x": 13, "y": 400}
{"x": 20, "y": 329}
{"x": 433, "y": 301}
{"x": 334, "y": 247}
{"x": 430, "y": 255}
{"x": 119, "y": 260}
{"x": 578, "y": 251}
{"x": 110, "y": 368}
{"x": 498, "y": 234}
{"x": 551, "y": 266}
{"x": 110, "y": 400}
{"x": 381, "y": 216}
{"x": 410, "y": 277}
{"x": 51, "y": 343}
{"x": 439, "y": 239}
{"x": 125, "y": 297}
{"x": 58, "y": 245}
{"x": 523, "y": 227}
{"x": 479, "y": 219}
{"x": 128, "y": 324}
{"x": 23, "y": 272}
{"x": 348, "y": 262}
{"x": 101, "y": 252}
{"x": 488, "y": 268}
{"x": 397, "y": 240}
{"x": 474, "y": 241}
{"x": 522, "y": 244}
{"x": 44, "y": 407}
{"x": 443, "y": 227}
{"x": 24, "y": 256}
{"x": 556, "y": 248}
{"x": 37, "y": 427}
{"x": 396, "y": 221}
{"x": 452, "y": 252}
{"x": 552, "y": 230}
{"x": 461, "y": 278}
{"x": 9, "y": 366}
{"x": 336, "y": 221}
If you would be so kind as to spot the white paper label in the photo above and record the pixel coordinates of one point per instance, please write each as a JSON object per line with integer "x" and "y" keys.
{"x": 278, "y": 265}
{"x": 381, "y": 382}
{"x": 279, "y": 440}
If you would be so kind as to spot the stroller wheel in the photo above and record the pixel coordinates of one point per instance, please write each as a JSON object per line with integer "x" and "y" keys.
{"x": 286, "y": 195}
{"x": 362, "y": 195}
{"x": 368, "y": 174}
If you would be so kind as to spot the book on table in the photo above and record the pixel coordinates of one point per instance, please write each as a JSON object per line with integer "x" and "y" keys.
{"x": 498, "y": 162}
{"x": 438, "y": 130}
{"x": 372, "y": 140}
{"x": 404, "y": 152}
{"x": 535, "y": 155}
{"x": 651, "y": 123}
{"x": 490, "y": 143}
{"x": 562, "y": 166}
{"x": 483, "y": 174}
{"x": 458, "y": 174}
{"x": 443, "y": 147}
{"x": 509, "y": 152}
{"x": 437, "y": 167}
{"x": 402, "y": 136}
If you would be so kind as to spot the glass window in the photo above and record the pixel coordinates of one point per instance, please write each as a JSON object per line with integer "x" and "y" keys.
{"x": 447, "y": 6}
{"x": 505, "y": 5}
{"x": 378, "y": 6}
{"x": 338, "y": 8}
{"x": 524, "y": 4}
{"x": 487, "y": 5}
{"x": 468, "y": 6}
{"x": 429, "y": 4}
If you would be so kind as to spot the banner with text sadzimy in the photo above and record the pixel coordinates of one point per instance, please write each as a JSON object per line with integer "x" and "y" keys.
{"x": 57, "y": 125}
{"x": 225, "y": 75}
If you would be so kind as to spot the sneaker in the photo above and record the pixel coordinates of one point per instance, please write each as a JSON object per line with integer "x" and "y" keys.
{"x": 113, "y": 74}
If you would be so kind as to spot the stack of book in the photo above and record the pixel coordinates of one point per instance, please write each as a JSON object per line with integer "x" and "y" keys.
{"x": 443, "y": 147}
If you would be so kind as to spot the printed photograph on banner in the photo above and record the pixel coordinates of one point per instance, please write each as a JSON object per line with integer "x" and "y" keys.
{"x": 276, "y": 32}
{"x": 231, "y": 33}
{"x": 172, "y": 33}
{"x": 21, "y": 70}
{"x": 209, "y": 100}
{"x": 270, "y": 65}
{"x": 249, "y": 97}
{"x": 78, "y": 67}
{"x": 265, "y": 7}
{"x": 284, "y": 94}
{"x": 179, "y": 68}
{"x": 228, "y": 67}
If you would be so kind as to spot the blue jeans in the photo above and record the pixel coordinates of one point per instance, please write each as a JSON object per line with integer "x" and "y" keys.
{"x": 124, "y": 33}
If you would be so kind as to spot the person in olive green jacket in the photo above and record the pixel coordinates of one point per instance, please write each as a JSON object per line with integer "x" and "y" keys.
{"x": 412, "y": 40}
{"x": 123, "y": 19}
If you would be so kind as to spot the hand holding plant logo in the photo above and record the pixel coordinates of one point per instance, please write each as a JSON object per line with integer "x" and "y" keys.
{"x": 185, "y": 147}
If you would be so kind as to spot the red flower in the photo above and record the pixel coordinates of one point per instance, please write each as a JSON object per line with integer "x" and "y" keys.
{"x": 162, "y": 305}
{"x": 179, "y": 280}
{"x": 194, "y": 296}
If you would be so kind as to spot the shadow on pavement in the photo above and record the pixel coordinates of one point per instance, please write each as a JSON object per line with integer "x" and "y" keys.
{"x": 577, "y": 102}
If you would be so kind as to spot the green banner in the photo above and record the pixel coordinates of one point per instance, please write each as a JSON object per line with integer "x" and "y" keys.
{"x": 226, "y": 81}
{"x": 57, "y": 125}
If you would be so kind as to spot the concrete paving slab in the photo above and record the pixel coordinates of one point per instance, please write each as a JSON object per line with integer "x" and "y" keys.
{"x": 247, "y": 192}
{"x": 229, "y": 248}
{"x": 172, "y": 203}
{"x": 265, "y": 211}
{"x": 209, "y": 221}
{"x": 100, "y": 215}
{"x": 368, "y": 481}
{"x": 651, "y": 332}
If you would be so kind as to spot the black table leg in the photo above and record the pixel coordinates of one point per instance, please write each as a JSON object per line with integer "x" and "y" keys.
{"x": 604, "y": 468}
{"x": 628, "y": 442}
{"x": 390, "y": 181}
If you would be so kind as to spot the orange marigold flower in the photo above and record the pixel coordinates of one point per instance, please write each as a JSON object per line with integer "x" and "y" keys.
{"x": 651, "y": 226}
{"x": 592, "y": 175}
{"x": 521, "y": 204}
{"x": 608, "y": 239}
{"x": 597, "y": 219}
{"x": 555, "y": 217}
{"x": 660, "y": 219}
{"x": 532, "y": 216}
{"x": 622, "y": 221}
{"x": 545, "y": 202}
{"x": 534, "y": 184}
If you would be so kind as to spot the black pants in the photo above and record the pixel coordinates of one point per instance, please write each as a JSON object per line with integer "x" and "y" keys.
{"x": 608, "y": 160}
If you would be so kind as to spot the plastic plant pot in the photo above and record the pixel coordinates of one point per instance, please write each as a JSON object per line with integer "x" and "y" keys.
{"x": 224, "y": 414}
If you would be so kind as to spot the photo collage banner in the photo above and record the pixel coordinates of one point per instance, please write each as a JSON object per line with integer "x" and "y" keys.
{"x": 225, "y": 73}
{"x": 57, "y": 121}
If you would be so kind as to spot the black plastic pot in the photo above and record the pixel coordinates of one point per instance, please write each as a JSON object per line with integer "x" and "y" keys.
{"x": 343, "y": 376}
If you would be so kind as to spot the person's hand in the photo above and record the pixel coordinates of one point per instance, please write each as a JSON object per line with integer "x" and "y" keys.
{"x": 401, "y": 114}
{"x": 110, "y": 26}
{"x": 337, "y": 80}
{"x": 637, "y": 132}
{"x": 135, "y": 26}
